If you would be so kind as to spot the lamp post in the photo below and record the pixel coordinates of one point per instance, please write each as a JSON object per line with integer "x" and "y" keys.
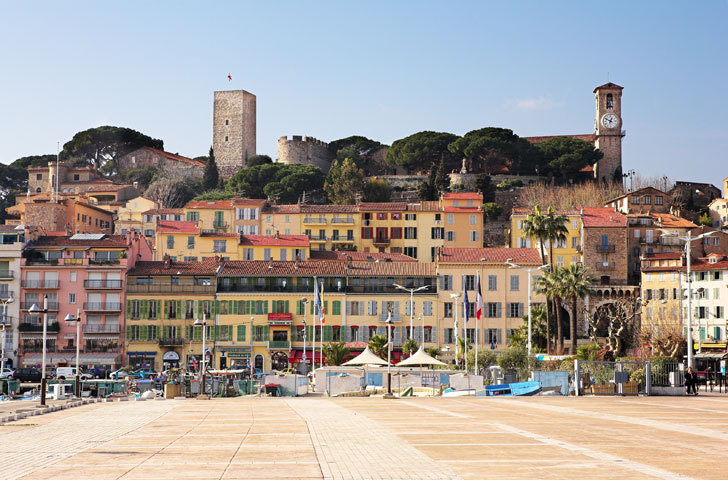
{"x": 412, "y": 302}
{"x": 688, "y": 243}
{"x": 304, "y": 302}
{"x": 5, "y": 319}
{"x": 34, "y": 310}
{"x": 77, "y": 319}
{"x": 389, "y": 352}
{"x": 701, "y": 292}
{"x": 510, "y": 263}
{"x": 203, "y": 362}
{"x": 455, "y": 325}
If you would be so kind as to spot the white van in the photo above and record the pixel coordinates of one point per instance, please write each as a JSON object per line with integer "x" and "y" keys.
{"x": 69, "y": 373}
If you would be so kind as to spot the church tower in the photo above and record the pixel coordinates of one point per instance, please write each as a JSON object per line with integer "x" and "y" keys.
{"x": 608, "y": 131}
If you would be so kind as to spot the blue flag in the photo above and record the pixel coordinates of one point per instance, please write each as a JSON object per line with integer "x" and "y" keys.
{"x": 465, "y": 306}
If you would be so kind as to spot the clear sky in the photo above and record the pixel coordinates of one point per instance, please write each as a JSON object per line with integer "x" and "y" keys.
{"x": 379, "y": 69}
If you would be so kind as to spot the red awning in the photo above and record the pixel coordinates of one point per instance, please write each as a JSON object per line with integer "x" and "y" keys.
{"x": 336, "y": 326}
{"x": 396, "y": 357}
{"x": 428, "y": 327}
{"x": 296, "y": 356}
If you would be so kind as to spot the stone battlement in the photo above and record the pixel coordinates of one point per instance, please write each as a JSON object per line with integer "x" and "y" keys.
{"x": 304, "y": 150}
{"x": 300, "y": 138}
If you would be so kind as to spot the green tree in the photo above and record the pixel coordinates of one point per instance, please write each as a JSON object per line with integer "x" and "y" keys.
{"x": 535, "y": 227}
{"x": 434, "y": 352}
{"x": 486, "y": 358}
{"x": 336, "y": 353}
{"x": 258, "y": 160}
{"x": 551, "y": 285}
{"x": 576, "y": 283}
{"x": 282, "y": 182}
{"x": 492, "y": 148}
{"x": 143, "y": 176}
{"x": 378, "y": 345}
{"x": 215, "y": 195}
{"x": 427, "y": 190}
{"x": 442, "y": 178}
{"x": 492, "y": 210}
{"x": 410, "y": 346}
{"x": 102, "y": 147}
{"x": 377, "y": 190}
{"x": 563, "y": 157}
{"x": 705, "y": 220}
{"x": 344, "y": 183}
{"x": 211, "y": 177}
{"x": 484, "y": 184}
{"x": 539, "y": 332}
{"x": 515, "y": 358}
{"x": 171, "y": 191}
{"x": 418, "y": 151}
{"x": 359, "y": 145}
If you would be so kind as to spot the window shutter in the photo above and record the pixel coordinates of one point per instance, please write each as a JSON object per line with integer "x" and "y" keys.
{"x": 143, "y": 333}
{"x": 309, "y": 333}
{"x": 499, "y": 336}
{"x": 434, "y": 335}
{"x": 216, "y": 333}
{"x": 265, "y": 306}
{"x": 327, "y": 333}
{"x": 128, "y": 333}
{"x": 419, "y": 335}
{"x": 397, "y": 334}
{"x": 165, "y": 310}
{"x": 347, "y": 334}
{"x": 143, "y": 309}
{"x": 498, "y": 310}
{"x": 311, "y": 307}
{"x": 396, "y": 308}
{"x": 241, "y": 333}
{"x": 128, "y": 309}
{"x": 381, "y": 330}
{"x": 326, "y": 307}
{"x": 265, "y": 330}
{"x": 336, "y": 308}
{"x": 180, "y": 311}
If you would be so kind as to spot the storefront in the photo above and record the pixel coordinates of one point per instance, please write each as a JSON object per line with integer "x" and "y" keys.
{"x": 142, "y": 359}
{"x": 170, "y": 359}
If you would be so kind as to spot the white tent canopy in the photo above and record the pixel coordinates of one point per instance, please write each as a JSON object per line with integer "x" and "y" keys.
{"x": 366, "y": 358}
{"x": 419, "y": 359}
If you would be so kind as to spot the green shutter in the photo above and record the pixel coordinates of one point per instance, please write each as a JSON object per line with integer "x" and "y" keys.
{"x": 265, "y": 306}
{"x": 144, "y": 309}
{"x": 143, "y": 333}
{"x": 327, "y": 333}
{"x": 235, "y": 307}
{"x": 241, "y": 333}
{"x": 287, "y": 307}
{"x": 198, "y": 334}
{"x": 128, "y": 309}
{"x": 265, "y": 331}
{"x": 128, "y": 333}
{"x": 165, "y": 309}
{"x": 180, "y": 310}
{"x": 337, "y": 307}
{"x": 215, "y": 308}
{"x": 326, "y": 307}
{"x": 311, "y": 303}
{"x": 216, "y": 332}
{"x": 188, "y": 331}
{"x": 199, "y": 308}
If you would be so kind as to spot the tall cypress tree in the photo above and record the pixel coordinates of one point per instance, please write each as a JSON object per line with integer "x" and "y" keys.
{"x": 211, "y": 178}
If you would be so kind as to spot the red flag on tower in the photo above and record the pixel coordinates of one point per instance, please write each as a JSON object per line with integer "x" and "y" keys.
{"x": 230, "y": 77}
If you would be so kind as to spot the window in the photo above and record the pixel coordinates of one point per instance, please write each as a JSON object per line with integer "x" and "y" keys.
{"x": 71, "y": 297}
{"x": 469, "y": 282}
{"x": 396, "y": 216}
{"x": 427, "y": 307}
{"x": 438, "y": 233}
{"x": 492, "y": 310}
{"x": 574, "y": 224}
{"x": 134, "y": 309}
{"x": 219, "y": 246}
{"x": 658, "y": 200}
{"x": 266, "y": 254}
{"x": 410, "y": 216}
{"x": 446, "y": 282}
{"x": 410, "y": 251}
{"x": 396, "y": 232}
{"x": 450, "y": 236}
{"x": 72, "y": 277}
{"x": 410, "y": 233}
{"x": 427, "y": 335}
{"x": 172, "y": 309}
{"x": 449, "y": 336}
{"x": 284, "y": 254}
{"x": 560, "y": 261}
{"x": 473, "y": 220}
{"x": 492, "y": 283}
{"x": 493, "y": 335}
{"x": 152, "y": 312}
{"x": 170, "y": 241}
{"x": 39, "y": 176}
{"x": 190, "y": 259}
{"x": 447, "y": 309}
{"x": 450, "y": 219}
{"x": 366, "y": 232}
{"x": 473, "y": 235}
{"x": 515, "y": 310}
{"x": 635, "y": 200}
{"x": 76, "y": 177}
{"x": 610, "y": 101}
{"x": 226, "y": 138}
{"x": 515, "y": 280}
{"x": 647, "y": 199}
{"x": 193, "y": 216}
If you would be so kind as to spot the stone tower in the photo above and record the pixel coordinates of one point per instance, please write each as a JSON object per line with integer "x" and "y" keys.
{"x": 233, "y": 130}
{"x": 608, "y": 130}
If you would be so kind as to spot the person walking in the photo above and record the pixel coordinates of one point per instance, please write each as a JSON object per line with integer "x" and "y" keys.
{"x": 690, "y": 381}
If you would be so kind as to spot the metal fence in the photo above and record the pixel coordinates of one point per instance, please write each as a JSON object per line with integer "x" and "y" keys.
{"x": 668, "y": 374}
{"x": 611, "y": 378}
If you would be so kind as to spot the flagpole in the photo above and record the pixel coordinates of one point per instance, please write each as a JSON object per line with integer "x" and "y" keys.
{"x": 315, "y": 317}
{"x": 478, "y": 302}
{"x": 466, "y": 316}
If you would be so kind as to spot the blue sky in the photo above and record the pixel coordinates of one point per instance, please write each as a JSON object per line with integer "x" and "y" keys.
{"x": 379, "y": 69}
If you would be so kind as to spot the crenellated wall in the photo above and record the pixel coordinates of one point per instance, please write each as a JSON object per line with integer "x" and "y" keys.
{"x": 304, "y": 151}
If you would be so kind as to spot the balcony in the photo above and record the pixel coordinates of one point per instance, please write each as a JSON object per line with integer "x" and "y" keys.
{"x": 102, "y": 284}
{"x": 388, "y": 289}
{"x": 40, "y": 284}
{"x": 382, "y": 241}
{"x": 52, "y": 306}
{"x": 101, "y": 307}
{"x": 665, "y": 240}
{"x": 26, "y": 327}
{"x": 347, "y": 221}
{"x": 315, "y": 221}
{"x": 94, "y": 261}
{"x": 7, "y": 274}
{"x": 105, "y": 328}
{"x": 171, "y": 342}
{"x": 648, "y": 241}
{"x": 196, "y": 289}
{"x": 279, "y": 345}
{"x": 606, "y": 247}
{"x": 318, "y": 239}
{"x": 7, "y": 320}
{"x": 605, "y": 266}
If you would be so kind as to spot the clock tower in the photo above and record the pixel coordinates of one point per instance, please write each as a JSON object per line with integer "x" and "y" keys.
{"x": 608, "y": 131}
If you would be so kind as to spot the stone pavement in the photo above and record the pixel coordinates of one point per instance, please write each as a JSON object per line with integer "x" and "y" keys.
{"x": 362, "y": 438}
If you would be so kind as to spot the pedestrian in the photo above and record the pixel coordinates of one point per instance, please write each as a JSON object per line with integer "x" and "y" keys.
{"x": 690, "y": 381}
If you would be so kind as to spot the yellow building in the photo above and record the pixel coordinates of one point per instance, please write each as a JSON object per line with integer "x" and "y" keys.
{"x": 662, "y": 292}
{"x": 504, "y": 290}
{"x": 211, "y": 215}
{"x": 130, "y": 217}
{"x": 565, "y": 252}
{"x": 280, "y": 218}
{"x": 275, "y": 247}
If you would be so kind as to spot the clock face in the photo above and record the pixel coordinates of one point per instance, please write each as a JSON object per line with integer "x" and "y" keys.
{"x": 610, "y": 120}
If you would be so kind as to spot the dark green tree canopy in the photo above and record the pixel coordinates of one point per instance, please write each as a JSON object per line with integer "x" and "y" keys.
{"x": 101, "y": 147}
{"x": 491, "y": 148}
{"x": 344, "y": 183}
{"x": 282, "y": 182}
{"x": 420, "y": 150}
{"x": 377, "y": 190}
{"x": 362, "y": 145}
{"x": 563, "y": 157}
{"x": 211, "y": 176}
{"x": 258, "y": 160}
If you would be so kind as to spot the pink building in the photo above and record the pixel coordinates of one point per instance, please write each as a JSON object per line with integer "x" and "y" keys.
{"x": 82, "y": 273}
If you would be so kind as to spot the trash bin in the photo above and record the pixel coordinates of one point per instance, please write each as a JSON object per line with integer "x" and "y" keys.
{"x": 144, "y": 386}
{"x": 171, "y": 390}
{"x": 195, "y": 387}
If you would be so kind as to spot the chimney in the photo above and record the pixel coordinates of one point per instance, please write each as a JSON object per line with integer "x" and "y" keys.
{"x": 277, "y": 235}
{"x": 167, "y": 261}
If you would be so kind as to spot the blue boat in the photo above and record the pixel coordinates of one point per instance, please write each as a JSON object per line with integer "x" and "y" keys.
{"x": 518, "y": 389}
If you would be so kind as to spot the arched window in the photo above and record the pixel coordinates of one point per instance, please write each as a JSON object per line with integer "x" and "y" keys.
{"x": 610, "y": 101}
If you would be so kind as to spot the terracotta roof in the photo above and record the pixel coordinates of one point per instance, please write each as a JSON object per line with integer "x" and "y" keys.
{"x": 602, "y": 217}
{"x": 328, "y": 208}
{"x": 174, "y": 156}
{"x": 527, "y": 211}
{"x": 425, "y": 206}
{"x": 162, "y": 211}
{"x": 474, "y": 208}
{"x": 383, "y": 207}
{"x": 702, "y": 265}
{"x": 462, "y": 196}
{"x": 588, "y": 137}
{"x": 280, "y": 240}
{"x": 359, "y": 256}
{"x": 207, "y": 267}
{"x": 671, "y": 221}
{"x": 663, "y": 256}
{"x": 108, "y": 188}
{"x": 281, "y": 209}
{"x": 10, "y": 229}
{"x": 220, "y": 234}
{"x": 111, "y": 241}
{"x": 608, "y": 85}
{"x": 248, "y": 201}
{"x": 491, "y": 255}
{"x": 211, "y": 204}
{"x": 327, "y": 269}
{"x": 171, "y": 226}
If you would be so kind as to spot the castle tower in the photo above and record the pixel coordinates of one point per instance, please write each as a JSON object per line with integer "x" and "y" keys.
{"x": 608, "y": 130}
{"x": 233, "y": 130}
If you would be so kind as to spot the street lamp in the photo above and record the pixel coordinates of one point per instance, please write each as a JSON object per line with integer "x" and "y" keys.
{"x": 5, "y": 319}
{"x": 389, "y": 351}
{"x": 304, "y": 302}
{"x": 34, "y": 310}
{"x": 76, "y": 318}
{"x": 203, "y": 324}
{"x": 412, "y": 301}
{"x": 701, "y": 292}
{"x": 509, "y": 262}
{"x": 688, "y": 242}
{"x": 455, "y": 329}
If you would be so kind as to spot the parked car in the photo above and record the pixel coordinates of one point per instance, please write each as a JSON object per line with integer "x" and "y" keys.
{"x": 26, "y": 375}
{"x": 69, "y": 373}
{"x": 97, "y": 372}
{"x": 120, "y": 374}
{"x": 145, "y": 373}
{"x": 7, "y": 372}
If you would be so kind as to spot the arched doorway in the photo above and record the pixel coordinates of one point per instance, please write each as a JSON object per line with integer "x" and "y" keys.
{"x": 259, "y": 363}
{"x": 279, "y": 361}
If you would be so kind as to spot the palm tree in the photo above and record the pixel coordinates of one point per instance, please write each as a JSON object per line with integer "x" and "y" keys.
{"x": 535, "y": 226}
{"x": 556, "y": 230}
{"x": 336, "y": 353}
{"x": 576, "y": 284}
{"x": 550, "y": 284}
{"x": 410, "y": 346}
{"x": 378, "y": 345}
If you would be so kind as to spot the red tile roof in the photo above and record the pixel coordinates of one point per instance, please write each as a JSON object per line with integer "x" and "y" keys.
{"x": 162, "y": 211}
{"x": 664, "y": 256}
{"x": 249, "y": 201}
{"x": 179, "y": 158}
{"x": 328, "y": 208}
{"x": 211, "y": 204}
{"x": 702, "y": 265}
{"x": 109, "y": 241}
{"x": 603, "y": 217}
{"x": 359, "y": 256}
{"x": 474, "y": 208}
{"x": 382, "y": 207}
{"x": 327, "y": 269}
{"x": 425, "y": 206}
{"x": 108, "y": 188}
{"x": 280, "y": 240}
{"x": 491, "y": 255}
{"x": 220, "y": 234}
{"x": 462, "y": 196}
{"x": 671, "y": 221}
{"x": 207, "y": 267}
{"x": 171, "y": 226}
{"x": 588, "y": 137}
{"x": 281, "y": 209}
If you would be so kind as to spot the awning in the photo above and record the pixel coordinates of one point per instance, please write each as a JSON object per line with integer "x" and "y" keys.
{"x": 70, "y": 358}
{"x": 141, "y": 354}
{"x": 297, "y": 356}
{"x": 711, "y": 356}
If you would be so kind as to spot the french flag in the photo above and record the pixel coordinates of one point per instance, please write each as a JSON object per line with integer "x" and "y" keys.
{"x": 478, "y": 302}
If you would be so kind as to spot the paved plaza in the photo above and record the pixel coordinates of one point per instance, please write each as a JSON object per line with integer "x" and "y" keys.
{"x": 373, "y": 438}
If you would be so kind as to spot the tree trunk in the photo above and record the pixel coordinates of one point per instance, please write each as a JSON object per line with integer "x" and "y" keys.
{"x": 559, "y": 330}
{"x": 573, "y": 324}
{"x": 548, "y": 317}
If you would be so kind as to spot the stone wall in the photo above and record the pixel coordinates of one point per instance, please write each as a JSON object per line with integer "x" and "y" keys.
{"x": 234, "y": 130}
{"x": 146, "y": 158}
{"x": 50, "y": 216}
{"x": 304, "y": 151}
{"x": 613, "y": 262}
{"x": 403, "y": 181}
